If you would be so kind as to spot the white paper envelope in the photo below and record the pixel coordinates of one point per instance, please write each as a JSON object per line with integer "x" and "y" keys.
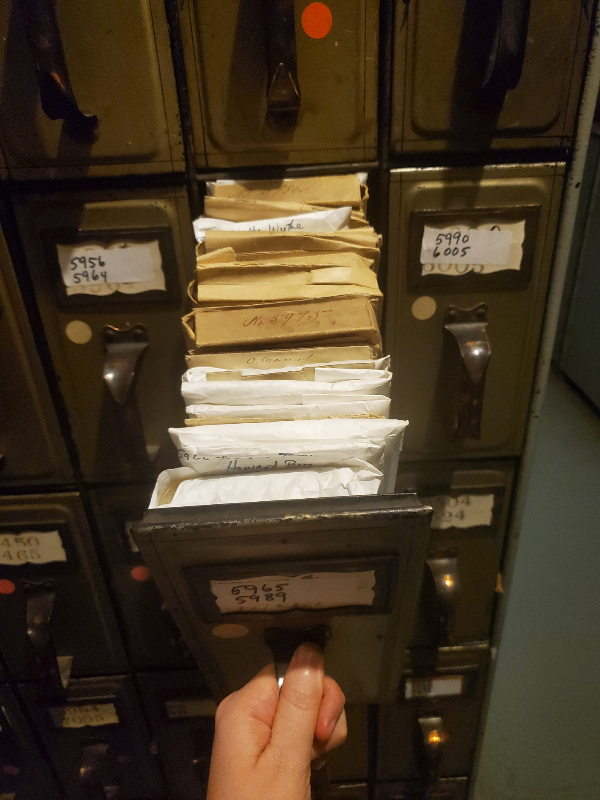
{"x": 334, "y": 219}
{"x": 310, "y": 408}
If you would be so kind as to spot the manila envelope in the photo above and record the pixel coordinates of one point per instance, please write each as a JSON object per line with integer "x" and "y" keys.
{"x": 271, "y": 359}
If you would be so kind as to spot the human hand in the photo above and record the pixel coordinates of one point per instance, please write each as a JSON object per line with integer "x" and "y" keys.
{"x": 265, "y": 740}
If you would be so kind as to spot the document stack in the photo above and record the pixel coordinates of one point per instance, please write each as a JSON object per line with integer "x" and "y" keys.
{"x": 287, "y": 391}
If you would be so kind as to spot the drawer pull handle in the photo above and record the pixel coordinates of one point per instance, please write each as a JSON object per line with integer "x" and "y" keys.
{"x": 434, "y": 737}
{"x": 444, "y": 572}
{"x": 507, "y": 52}
{"x": 40, "y": 600}
{"x": 283, "y": 89}
{"x": 123, "y": 347}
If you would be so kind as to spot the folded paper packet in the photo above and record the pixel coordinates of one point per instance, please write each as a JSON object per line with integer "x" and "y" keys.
{"x": 239, "y": 393}
{"x": 260, "y": 446}
{"x": 272, "y": 359}
{"x": 183, "y": 487}
{"x": 258, "y": 293}
{"x": 360, "y": 369}
{"x": 309, "y": 407}
{"x": 324, "y": 190}
{"x": 332, "y": 219}
{"x": 333, "y": 321}
{"x": 207, "y": 269}
{"x": 239, "y": 210}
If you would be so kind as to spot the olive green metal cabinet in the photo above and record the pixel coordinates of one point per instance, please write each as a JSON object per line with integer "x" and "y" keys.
{"x": 98, "y": 99}
{"x": 470, "y": 75}
{"x": 110, "y": 273}
{"x": 97, "y": 739}
{"x": 470, "y": 502}
{"x": 469, "y": 261}
{"x": 24, "y": 775}
{"x": 31, "y": 445}
{"x": 288, "y": 82}
{"x": 56, "y": 615}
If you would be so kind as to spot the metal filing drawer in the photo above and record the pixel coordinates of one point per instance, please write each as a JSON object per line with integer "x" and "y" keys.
{"x": 431, "y": 731}
{"x": 470, "y": 502}
{"x": 24, "y": 774}
{"x": 452, "y": 92}
{"x": 153, "y": 639}
{"x": 103, "y": 58}
{"x": 97, "y": 739}
{"x": 443, "y": 319}
{"x": 31, "y": 445}
{"x": 228, "y": 48}
{"x": 443, "y": 789}
{"x": 54, "y": 603}
{"x": 118, "y": 354}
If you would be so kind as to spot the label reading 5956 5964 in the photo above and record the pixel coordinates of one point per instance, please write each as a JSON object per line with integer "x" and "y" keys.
{"x": 31, "y": 547}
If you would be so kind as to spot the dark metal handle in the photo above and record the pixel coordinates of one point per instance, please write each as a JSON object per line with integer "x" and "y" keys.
{"x": 433, "y": 736}
{"x": 283, "y": 89}
{"x": 123, "y": 347}
{"x": 40, "y": 605}
{"x": 56, "y": 93}
{"x": 91, "y": 769}
{"x": 469, "y": 329}
{"x": 509, "y": 42}
{"x": 12, "y": 757}
{"x": 444, "y": 572}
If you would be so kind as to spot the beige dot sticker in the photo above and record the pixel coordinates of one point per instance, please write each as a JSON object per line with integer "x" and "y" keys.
{"x": 230, "y": 631}
{"x": 423, "y": 307}
{"x": 78, "y": 331}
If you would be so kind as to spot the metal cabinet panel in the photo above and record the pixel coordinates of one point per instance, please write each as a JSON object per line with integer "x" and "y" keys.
{"x": 470, "y": 502}
{"x": 31, "y": 445}
{"x": 181, "y": 713}
{"x": 442, "y": 59}
{"x": 455, "y": 407}
{"x": 24, "y": 774}
{"x": 152, "y": 638}
{"x": 227, "y": 48}
{"x": 119, "y": 436}
{"x": 97, "y": 739}
{"x": 118, "y": 62}
{"x": 57, "y": 607}
{"x": 431, "y": 731}
{"x": 444, "y": 789}
{"x": 380, "y": 540}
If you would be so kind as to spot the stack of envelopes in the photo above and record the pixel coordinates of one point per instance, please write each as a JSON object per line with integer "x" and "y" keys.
{"x": 286, "y": 392}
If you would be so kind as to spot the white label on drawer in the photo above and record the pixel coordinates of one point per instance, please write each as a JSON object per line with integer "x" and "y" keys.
{"x": 282, "y": 593}
{"x": 183, "y": 709}
{"x": 92, "y": 715}
{"x": 92, "y": 264}
{"x": 31, "y": 547}
{"x": 461, "y": 511}
{"x": 445, "y": 686}
{"x": 484, "y": 249}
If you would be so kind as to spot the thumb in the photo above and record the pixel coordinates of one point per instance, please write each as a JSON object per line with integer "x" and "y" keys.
{"x": 293, "y": 728}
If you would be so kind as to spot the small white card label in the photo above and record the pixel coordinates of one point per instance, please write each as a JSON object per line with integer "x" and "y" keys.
{"x": 282, "y": 593}
{"x": 484, "y": 249}
{"x": 120, "y": 262}
{"x": 461, "y": 511}
{"x": 445, "y": 686}
{"x": 92, "y": 715}
{"x": 184, "y": 709}
{"x": 31, "y": 547}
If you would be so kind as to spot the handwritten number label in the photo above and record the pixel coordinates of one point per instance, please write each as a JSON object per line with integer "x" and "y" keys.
{"x": 92, "y": 715}
{"x": 284, "y": 593}
{"x": 482, "y": 250}
{"x": 120, "y": 262}
{"x": 281, "y": 320}
{"x": 31, "y": 547}
{"x": 461, "y": 511}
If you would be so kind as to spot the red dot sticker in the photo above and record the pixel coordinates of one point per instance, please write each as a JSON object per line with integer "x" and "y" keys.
{"x": 140, "y": 574}
{"x": 10, "y": 769}
{"x": 6, "y": 587}
{"x": 316, "y": 20}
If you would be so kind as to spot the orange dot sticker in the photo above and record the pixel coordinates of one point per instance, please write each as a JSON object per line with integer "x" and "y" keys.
{"x": 140, "y": 574}
{"x": 6, "y": 587}
{"x": 316, "y": 20}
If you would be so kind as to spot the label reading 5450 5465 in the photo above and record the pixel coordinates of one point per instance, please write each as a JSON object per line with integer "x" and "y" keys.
{"x": 31, "y": 547}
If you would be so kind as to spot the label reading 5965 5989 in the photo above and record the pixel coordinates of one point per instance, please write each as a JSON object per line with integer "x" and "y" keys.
{"x": 31, "y": 547}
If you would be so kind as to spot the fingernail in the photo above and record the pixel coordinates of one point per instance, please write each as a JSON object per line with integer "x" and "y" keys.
{"x": 319, "y": 763}
{"x": 308, "y": 655}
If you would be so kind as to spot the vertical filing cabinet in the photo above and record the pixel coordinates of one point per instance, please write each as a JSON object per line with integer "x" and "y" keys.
{"x": 31, "y": 445}
{"x": 470, "y": 75}
{"x": 288, "y": 82}
{"x": 97, "y": 739}
{"x": 470, "y": 502}
{"x": 152, "y": 638}
{"x": 115, "y": 336}
{"x": 464, "y": 335}
{"x": 24, "y": 774}
{"x": 57, "y": 619}
{"x": 97, "y": 98}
